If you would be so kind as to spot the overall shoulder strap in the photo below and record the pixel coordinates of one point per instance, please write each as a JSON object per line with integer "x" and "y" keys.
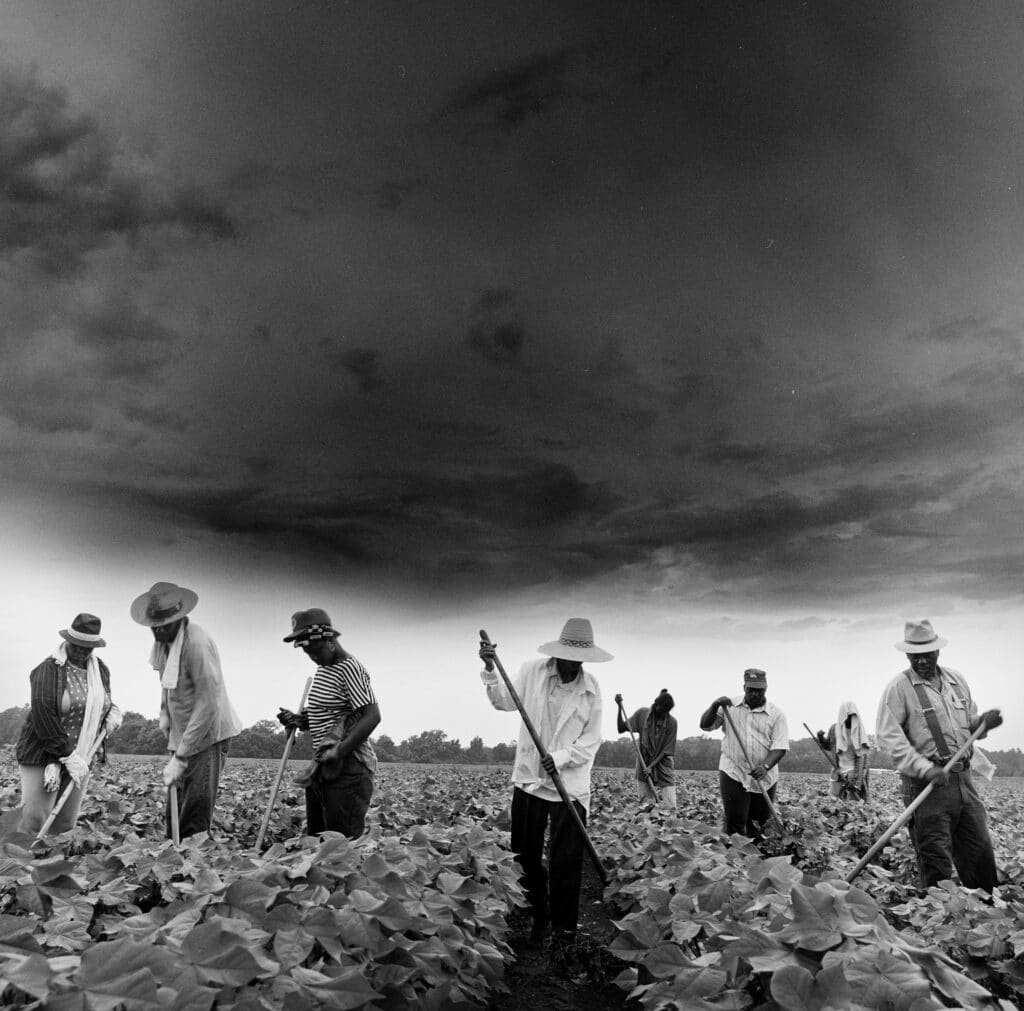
{"x": 930, "y": 716}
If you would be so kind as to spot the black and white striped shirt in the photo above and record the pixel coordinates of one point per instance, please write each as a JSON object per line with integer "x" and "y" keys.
{"x": 338, "y": 691}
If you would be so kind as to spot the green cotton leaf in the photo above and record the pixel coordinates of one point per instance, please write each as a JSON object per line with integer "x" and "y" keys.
{"x": 762, "y": 951}
{"x": 292, "y": 946}
{"x": 947, "y": 978}
{"x": 880, "y": 979}
{"x": 792, "y": 986}
{"x": 251, "y": 897}
{"x": 123, "y": 973}
{"x": 796, "y": 988}
{"x": 225, "y": 957}
{"x": 345, "y": 991}
{"x": 30, "y": 971}
{"x": 692, "y": 985}
{"x": 814, "y": 920}
{"x": 17, "y": 932}
{"x": 666, "y": 961}
{"x": 187, "y": 997}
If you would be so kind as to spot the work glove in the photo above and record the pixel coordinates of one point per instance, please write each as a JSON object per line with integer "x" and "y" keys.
{"x": 165, "y": 723}
{"x": 618, "y": 700}
{"x": 992, "y": 718}
{"x": 51, "y": 777}
{"x": 113, "y": 720}
{"x": 487, "y": 654}
{"x": 723, "y": 703}
{"x": 293, "y": 721}
{"x": 937, "y": 775}
{"x": 76, "y": 765}
{"x": 174, "y": 771}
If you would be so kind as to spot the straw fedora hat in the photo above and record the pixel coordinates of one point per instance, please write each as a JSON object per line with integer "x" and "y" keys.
{"x": 576, "y": 643}
{"x": 163, "y": 603}
{"x": 920, "y": 637}
{"x": 84, "y": 631}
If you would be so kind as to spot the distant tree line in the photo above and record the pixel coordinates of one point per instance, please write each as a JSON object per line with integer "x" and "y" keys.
{"x": 140, "y": 735}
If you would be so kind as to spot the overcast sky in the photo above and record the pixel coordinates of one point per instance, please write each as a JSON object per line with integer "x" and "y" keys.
{"x": 702, "y": 320}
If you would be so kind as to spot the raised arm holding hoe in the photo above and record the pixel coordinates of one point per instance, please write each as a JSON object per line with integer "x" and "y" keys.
{"x": 654, "y": 732}
{"x": 560, "y": 704}
{"x": 748, "y": 777}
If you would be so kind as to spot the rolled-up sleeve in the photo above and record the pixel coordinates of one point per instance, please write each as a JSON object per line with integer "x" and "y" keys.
{"x": 890, "y": 736}
{"x": 498, "y": 692}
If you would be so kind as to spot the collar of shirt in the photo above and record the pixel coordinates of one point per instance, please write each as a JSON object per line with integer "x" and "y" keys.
{"x": 934, "y": 683}
{"x": 583, "y": 681}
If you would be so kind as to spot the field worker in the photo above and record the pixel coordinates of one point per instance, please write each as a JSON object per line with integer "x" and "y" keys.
{"x": 563, "y": 701}
{"x": 70, "y": 710}
{"x": 847, "y": 742}
{"x": 761, "y": 727}
{"x": 341, "y": 712}
{"x": 926, "y": 713}
{"x": 656, "y": 734}
{"x": 195, "y": 712}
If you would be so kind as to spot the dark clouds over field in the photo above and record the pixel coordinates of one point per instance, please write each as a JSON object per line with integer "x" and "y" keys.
{"x": 707, "y": 305}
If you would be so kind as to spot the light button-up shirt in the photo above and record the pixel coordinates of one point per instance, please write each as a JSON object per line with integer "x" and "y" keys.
{"x": 761, "y": 730}
{"x": 567, "y": 718}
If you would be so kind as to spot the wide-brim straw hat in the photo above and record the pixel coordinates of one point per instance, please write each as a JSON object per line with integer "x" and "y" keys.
{"x": 84, "y": 631}
{"x": 920, "y": 637}
{"x": 163, "y": 603}
{"x": 576, "y": 643}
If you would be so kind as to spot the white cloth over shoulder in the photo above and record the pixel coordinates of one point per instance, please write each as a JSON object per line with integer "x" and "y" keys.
{"x": 166, "y": 658}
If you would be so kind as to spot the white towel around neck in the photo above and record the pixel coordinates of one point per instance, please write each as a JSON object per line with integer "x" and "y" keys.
{"x": 167, "y": 659}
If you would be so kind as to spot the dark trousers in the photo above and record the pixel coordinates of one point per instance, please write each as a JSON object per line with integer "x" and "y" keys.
{"x": 950, "y": 829}
{"x": 745, "y": 812}
{"x": 339, "y": 804}
{"x": 197, "y": 792}
{"x": 554, "y": 892}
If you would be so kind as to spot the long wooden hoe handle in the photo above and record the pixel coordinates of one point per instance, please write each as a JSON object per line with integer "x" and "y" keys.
{"x": 289, "y": 740}
{"x": 172, "y": 805}
{"x": 555, "y": 777}
{"x": 908, "y": 811}
{"x": 828, "y": 754}
{"x": 639, "y": 753}
{"x": 746, "y": 758}
{"x": 63, "y": 798}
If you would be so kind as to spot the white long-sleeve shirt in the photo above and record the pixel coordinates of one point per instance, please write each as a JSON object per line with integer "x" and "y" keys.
{"x": 567, "y": 718}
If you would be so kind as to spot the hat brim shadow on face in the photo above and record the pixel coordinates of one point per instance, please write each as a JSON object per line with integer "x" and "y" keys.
{"x": 582, "y": 654}
{"x": 140, "y": 605}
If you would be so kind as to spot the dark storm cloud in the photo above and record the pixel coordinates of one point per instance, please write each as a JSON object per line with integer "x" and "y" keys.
{"x": 392, "y": 193}
{"x": 497, "y": 342}
{"x": 360, "y": 362}
{"x": 967, "y": 330}
{"x": 505, "y": 99}
{"x": 66, "y": 189}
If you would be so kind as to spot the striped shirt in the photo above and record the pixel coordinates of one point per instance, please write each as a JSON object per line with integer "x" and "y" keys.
{"x": 761, "y": 730}
{"x": 338, "y": 692}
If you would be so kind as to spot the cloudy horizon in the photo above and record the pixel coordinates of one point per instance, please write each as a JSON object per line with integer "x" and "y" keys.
{"x": 700, "y": 320}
